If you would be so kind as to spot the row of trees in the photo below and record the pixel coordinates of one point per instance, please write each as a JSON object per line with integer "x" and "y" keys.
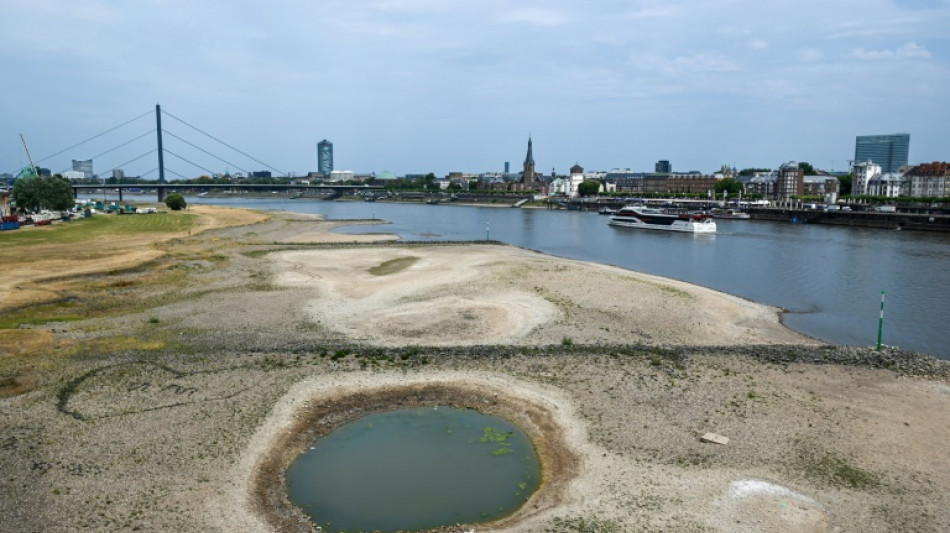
{"x": 35, "y": 193}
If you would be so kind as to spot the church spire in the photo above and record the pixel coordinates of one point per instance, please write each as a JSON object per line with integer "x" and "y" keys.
{"x": 527, "y": 176}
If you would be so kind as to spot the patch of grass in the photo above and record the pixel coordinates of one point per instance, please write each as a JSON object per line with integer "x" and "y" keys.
{"x": 580, "y": 524}
{"x": 26, "y": 342}
{"x": 672, "y": 291}
{"x": 256, "y": 254}
{"x": 153, "y": 320}
{"x": 567, "y": 341}
{"x": 393, "y": 266}
{"x": 100, "y": 227}
{"x": 117, "y": 344}
{"x": 837, "y": 471}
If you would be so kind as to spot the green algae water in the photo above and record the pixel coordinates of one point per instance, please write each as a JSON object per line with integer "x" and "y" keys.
{"x": 415, "y": 469}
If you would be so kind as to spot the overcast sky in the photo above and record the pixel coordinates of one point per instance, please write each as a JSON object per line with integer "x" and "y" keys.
{"x": 458, "y": 85}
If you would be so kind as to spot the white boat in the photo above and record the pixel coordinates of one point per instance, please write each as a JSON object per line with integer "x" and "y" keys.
{"x": 633, "y": 216}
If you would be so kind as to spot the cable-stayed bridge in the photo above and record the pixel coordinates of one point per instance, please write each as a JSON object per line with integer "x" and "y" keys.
{"x": 125, "y": 142}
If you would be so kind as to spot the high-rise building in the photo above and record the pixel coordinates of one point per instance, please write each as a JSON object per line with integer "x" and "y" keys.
{"x": 507, "y": 167}
{"x": 325, "y": 157}
{"x": 663, "y": 167}
{"x": 889, "y": 151}
{"x": 84, "y": 166}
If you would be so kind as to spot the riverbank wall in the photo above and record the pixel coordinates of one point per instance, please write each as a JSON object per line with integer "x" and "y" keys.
{"x": 865, "y": 219}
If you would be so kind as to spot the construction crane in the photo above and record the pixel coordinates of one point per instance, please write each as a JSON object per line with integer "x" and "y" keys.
{"x": 32, "y": 165}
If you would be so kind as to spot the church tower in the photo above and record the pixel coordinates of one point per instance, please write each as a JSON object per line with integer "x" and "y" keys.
{"x": 527, "y": 176}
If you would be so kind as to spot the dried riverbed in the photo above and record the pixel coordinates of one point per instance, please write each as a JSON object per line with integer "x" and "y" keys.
{"x": 176, "y": 437}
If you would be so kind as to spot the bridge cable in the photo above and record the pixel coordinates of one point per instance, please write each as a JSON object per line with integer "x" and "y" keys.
{"x": 205, "y": 151}
{"x": 116, "y": 148}
{"x": 224, "y": 143}
{"x": 175, "y": 173}
{"x": 95, "y": 136}
{"x": 187, "y": 161}
{"x": 150, "y": 152}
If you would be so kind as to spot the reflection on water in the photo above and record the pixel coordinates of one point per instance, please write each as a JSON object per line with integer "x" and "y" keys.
{"x": 415, "y": 469}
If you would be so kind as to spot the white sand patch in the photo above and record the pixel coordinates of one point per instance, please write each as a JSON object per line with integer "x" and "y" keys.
{"x": 486, "y": 294}
{"x": 749, "y": 487}
{"x": 754, "y": 506}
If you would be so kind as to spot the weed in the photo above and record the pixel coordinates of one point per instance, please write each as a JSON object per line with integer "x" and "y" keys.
{"x": 838, "y": 472}
{"x": 567, "y": 341}
{"x": 580, "y": 524}
{"x": 393, "y": 266}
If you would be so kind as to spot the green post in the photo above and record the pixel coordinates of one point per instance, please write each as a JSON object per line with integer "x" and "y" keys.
{"x": 880, "y": 323}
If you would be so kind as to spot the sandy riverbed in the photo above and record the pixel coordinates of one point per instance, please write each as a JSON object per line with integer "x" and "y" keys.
{"x": 176, "y": 439}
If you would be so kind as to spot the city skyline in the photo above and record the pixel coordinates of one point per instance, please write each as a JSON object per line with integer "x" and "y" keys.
{"x": 422, "y": 86}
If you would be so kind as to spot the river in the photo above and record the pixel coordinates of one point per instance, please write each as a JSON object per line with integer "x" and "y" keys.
{"x": 828, "y": 278}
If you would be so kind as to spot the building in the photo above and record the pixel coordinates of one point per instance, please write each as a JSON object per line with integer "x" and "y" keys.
{"x": 84, "y": 166}
{"x": 889, "y": 151}
{"x": 762, "y": 183}
{"x": 930, "y": 180}
{"x": 689, "y": 183}
{"x": 663, "y": 167}
{"x": 73, "y": 175}
{"x": 507, "y": 167}
{"x": 888, "y": 184}
{"x": 118, "y": 174}
{"x": 527, "y": 175}
{"x": 341, "y": 175}
{"x": 790, "y": 181}
{"x": 862, "y": 173}
{"x": 325, "y": 157}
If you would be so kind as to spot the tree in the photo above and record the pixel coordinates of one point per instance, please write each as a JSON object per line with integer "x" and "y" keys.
{"x": 175, "y": 201}
{"x": 809, "y": 170}
{"x": 43, "y": 192}
{"x": 588, "y": 188}
{"x": 844, "y": 184}
{"x": 751, "y": 171}
{"x": 729, "y": 185}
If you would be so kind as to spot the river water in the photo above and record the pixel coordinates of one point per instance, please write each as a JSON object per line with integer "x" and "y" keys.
{"x": 828, "y": 278}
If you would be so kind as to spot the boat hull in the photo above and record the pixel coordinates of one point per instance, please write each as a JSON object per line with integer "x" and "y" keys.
{"x": 645, "y": 218}
{"x": 680, "y": 226}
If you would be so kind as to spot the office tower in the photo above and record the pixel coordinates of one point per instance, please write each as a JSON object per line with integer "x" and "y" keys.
{"x": 325, "y": 157}
{"x": 889, "y": 151}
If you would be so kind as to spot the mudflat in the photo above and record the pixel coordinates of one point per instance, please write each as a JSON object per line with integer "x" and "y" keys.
{"x": 169, "y": 412}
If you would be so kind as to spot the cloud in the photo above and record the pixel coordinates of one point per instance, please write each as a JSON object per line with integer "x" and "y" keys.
{"x": 654, "y": 12}
{"x": 910, "y": 50}
{"x": 758, "y": 44}
{"x": 535, "y": 17}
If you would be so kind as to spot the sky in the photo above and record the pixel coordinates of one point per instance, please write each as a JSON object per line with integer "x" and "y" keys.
{"x": 417, "y": 86}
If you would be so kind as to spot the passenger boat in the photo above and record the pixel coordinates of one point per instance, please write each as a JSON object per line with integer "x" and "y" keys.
{"x": 633, "y": 216}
